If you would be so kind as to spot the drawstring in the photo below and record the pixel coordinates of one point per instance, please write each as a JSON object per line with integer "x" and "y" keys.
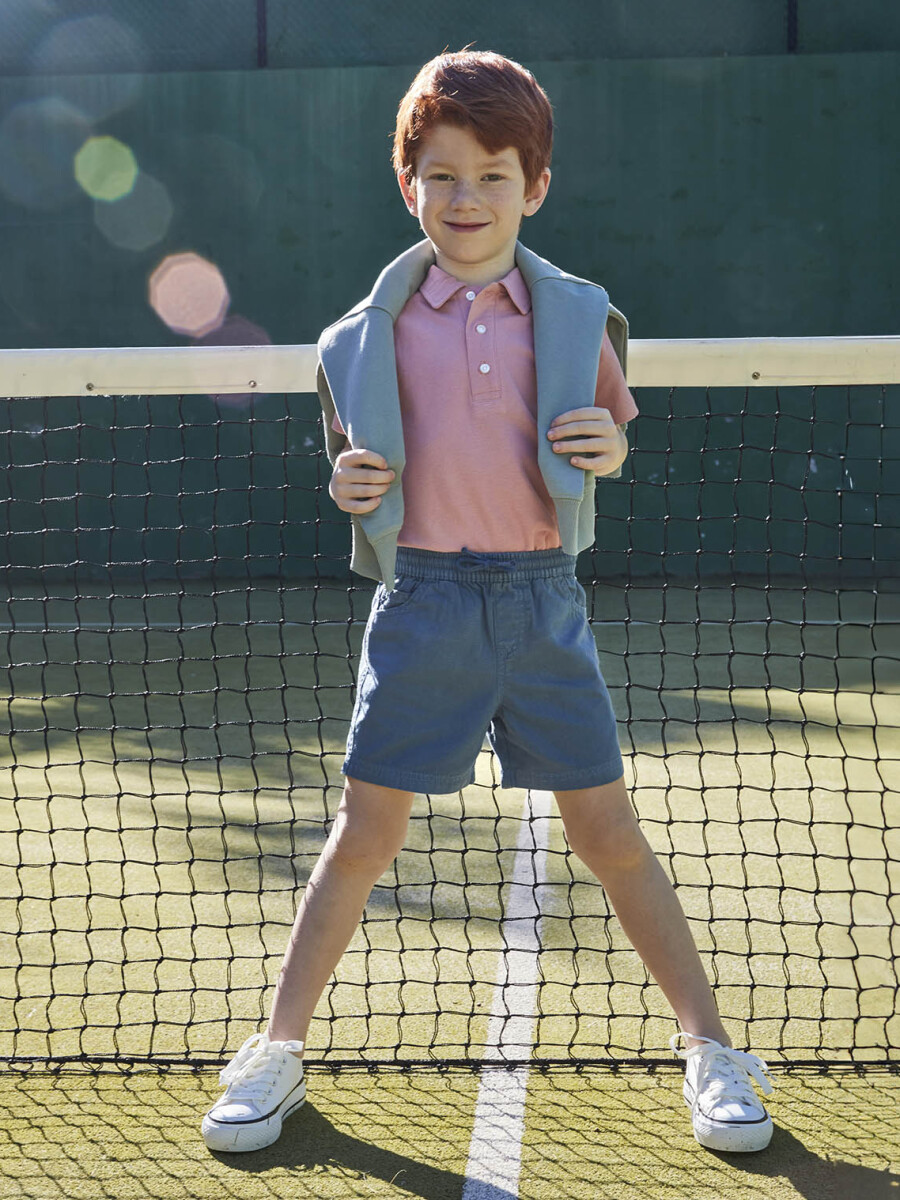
{"x": 471, "y": 560}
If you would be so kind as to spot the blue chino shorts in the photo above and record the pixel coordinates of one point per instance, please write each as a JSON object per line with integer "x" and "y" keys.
{"x": 467, "y": 644}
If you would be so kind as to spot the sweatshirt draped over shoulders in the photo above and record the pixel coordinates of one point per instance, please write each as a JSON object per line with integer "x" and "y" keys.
{"x": 455, "y": 386}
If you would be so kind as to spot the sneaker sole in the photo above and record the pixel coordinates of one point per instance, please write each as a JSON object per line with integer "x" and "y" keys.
{"x": 732, "y": 1138}
{"x": 237, "y": 1137}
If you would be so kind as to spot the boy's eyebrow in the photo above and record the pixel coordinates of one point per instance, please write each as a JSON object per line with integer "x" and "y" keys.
{"x": 500, "y": 160}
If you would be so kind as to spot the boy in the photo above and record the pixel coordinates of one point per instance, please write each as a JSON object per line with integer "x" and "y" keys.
{"x": 470, "y": 402}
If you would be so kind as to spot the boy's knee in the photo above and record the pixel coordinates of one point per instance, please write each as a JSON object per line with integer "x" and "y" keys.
{"x": 611, "y": 849}
{"x": 370, "y": 828}
{"x": 350, "y": 851}
{"x": 606, "y": 836}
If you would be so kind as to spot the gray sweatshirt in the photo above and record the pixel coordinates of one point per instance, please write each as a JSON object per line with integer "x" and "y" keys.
{"x": 357, "y": 379}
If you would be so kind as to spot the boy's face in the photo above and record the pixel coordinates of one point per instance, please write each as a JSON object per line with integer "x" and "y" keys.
{"x": 470, "y": 203}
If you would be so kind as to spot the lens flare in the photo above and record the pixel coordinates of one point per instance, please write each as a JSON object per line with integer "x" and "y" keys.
{"x": 105, "y": 168}
{"x": 96, "y": 62}
{"x": 140, "y": 219}
{"x": 189, "y": 294}
{"x": 236, "y": 330}
{"x": 84, "y": 45}
{"x": 38, "y": 140}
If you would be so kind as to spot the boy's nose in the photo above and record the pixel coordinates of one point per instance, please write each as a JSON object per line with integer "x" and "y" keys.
{"x": 464, "y": 196}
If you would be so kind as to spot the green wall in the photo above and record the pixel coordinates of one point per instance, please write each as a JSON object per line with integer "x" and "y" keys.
{"x": 713, "y": 197}
{"x": 200, "y": 35}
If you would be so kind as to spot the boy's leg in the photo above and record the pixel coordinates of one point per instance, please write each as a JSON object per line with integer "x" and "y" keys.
{"x": 367, "y": 835}
{"x": 265, "y": 1078}
{"x": 603, "y": 831}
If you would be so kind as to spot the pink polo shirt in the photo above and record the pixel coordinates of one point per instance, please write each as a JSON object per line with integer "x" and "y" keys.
{"x": 468, "y": 398}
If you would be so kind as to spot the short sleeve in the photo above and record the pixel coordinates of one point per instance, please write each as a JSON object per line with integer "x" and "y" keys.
{"x": 612, "y": 390}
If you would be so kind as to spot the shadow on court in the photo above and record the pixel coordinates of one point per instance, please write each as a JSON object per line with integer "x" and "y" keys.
{"x": 594, "y": 1134}
{"x": 625, "y": 1135}
{"x": 812, "y": 1175}
{"x": 312, "y": 1145}
{"x": 113, "y": 1137}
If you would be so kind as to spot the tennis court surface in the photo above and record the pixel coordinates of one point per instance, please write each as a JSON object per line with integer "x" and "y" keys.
{"x": 180, "y": 636}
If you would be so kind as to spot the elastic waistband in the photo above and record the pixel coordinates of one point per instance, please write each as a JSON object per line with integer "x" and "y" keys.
{"x": 469, "y": 566}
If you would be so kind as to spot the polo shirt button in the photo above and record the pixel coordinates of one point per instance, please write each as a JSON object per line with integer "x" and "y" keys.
{"x": 470, "y": 295}
{"x": 481, "y": 328}
{"x": 484, "y": 368}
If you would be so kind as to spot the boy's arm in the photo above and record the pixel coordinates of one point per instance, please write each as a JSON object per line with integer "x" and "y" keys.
{"x": 360, "y": 477}
{"x": 596, "y": 437}
{"x": 623, "y": 429}
{"x": 595, "y": 442}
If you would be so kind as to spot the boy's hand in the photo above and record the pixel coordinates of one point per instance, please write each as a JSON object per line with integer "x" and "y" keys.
{"x": 599, "y": 444}
{"x": 360, "y": 479}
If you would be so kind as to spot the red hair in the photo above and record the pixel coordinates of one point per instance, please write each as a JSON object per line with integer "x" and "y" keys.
{"x": 497, "y": 99}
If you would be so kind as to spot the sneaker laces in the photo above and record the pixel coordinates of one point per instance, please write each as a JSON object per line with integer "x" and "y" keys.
{"x": 255, "y": 1066}
{"x": 729, "y": 1068}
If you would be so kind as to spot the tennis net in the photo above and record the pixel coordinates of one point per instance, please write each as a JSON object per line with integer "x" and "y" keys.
{"x": 179, "y": 633}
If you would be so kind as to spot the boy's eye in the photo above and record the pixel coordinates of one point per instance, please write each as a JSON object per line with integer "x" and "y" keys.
{"x": 444, "y": 176}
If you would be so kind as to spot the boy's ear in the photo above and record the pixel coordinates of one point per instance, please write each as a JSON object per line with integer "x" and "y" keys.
{"x": 538, "y": 193}
{"x": 408, "y": 188}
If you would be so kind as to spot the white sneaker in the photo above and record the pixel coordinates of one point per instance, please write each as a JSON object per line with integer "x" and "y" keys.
{"x": 264, "y": 1086}
{"x": 725, "y": 1111}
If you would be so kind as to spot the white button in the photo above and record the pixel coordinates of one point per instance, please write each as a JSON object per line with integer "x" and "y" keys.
{"x": 470, "y": 295}
{"x": 484, "y": 368}
{"x": 481, "y": 328}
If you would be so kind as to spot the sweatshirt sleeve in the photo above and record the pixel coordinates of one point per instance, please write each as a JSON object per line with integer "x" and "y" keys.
{"x": 335, "y": 438}
{"x": 612, "y": 391}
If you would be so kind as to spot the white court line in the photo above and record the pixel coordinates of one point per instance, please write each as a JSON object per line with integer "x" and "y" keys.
{"x": 495, "y": 1151}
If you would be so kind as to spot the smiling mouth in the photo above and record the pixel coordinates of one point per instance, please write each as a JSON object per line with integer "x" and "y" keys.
{"x": 466, "y": 228}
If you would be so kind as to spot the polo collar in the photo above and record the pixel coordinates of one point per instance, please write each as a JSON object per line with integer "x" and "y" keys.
{"x": 404, "y": 276}
{"x": 438, "y": 287}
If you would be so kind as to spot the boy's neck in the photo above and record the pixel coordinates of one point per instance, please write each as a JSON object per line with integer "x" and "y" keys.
{"x": 477, "y": 274}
